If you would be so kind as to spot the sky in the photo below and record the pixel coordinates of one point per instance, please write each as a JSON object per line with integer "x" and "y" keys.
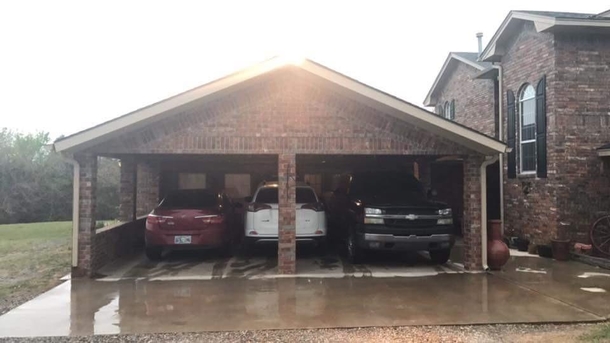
{"x": 68, "y": 65}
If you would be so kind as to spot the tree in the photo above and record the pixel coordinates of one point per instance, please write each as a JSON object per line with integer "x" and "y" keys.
{"x": 36, "y": 183}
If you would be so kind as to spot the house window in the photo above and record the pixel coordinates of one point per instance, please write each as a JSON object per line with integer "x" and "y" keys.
{"x": 449, "y": 109}
{"x": 527, "y": 129}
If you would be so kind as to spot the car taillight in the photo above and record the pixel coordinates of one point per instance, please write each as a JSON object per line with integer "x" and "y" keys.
{"x": 255, "y": 207}
{"x": 316, "y": 206}
{"x": 156, "y": 219}
{"x": 212, "y": 219}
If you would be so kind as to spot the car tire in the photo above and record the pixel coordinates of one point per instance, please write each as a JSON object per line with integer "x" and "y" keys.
{"x": 354, "y": 253}
{"x": 153, "y": 253}
{"x": 440, "y": 256}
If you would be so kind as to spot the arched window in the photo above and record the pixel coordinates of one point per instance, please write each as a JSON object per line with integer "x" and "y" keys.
{"x": 447, "y": 110}
{"x": 527, "y": 129}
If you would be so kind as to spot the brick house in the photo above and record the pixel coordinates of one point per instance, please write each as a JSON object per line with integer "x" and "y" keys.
{"x": 552, "y": 70}
{"x": 275, "y": 120}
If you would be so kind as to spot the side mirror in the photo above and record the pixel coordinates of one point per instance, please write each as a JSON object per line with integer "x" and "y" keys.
{"x": 248, "y": 199}
{"x": 238, "y": 205}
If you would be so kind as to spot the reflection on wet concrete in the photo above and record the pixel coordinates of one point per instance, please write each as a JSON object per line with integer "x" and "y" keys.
{"x": 566, "y": 281}
{"x": 86, "y": 307}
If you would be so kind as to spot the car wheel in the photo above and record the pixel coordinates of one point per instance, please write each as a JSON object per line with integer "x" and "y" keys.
{"x": 440, "y": 256}
{"x": 354, "y": 253}
{"x": 153, "y": 253}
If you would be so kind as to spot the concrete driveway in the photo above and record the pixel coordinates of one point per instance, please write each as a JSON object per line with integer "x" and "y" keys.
{"x": 206, "y": 265}
{"x": 142, "y": 305}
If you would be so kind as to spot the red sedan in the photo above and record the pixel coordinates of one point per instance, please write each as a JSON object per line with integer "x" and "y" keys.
{"x": 194, "y": 218}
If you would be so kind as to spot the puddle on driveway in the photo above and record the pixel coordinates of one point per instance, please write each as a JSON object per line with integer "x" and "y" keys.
{"x": 593, "y": 289}
{"x": 86, "y": 307}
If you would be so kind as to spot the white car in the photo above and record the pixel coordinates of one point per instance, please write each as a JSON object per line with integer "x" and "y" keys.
{"x": 261, "y": 216}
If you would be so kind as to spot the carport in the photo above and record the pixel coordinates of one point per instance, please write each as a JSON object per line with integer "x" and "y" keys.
{"x": 276, "y": 119}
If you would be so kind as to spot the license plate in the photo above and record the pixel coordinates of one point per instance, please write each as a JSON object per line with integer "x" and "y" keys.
{"x": 182, "y": 239}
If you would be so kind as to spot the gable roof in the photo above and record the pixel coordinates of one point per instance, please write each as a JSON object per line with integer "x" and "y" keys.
{"x": 469, "y": 58}
{"x": 544, "y": 21}
{"x": 368, "y": 95}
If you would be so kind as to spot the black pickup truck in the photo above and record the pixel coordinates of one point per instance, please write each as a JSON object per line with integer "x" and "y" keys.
{"x": 389, "y": 211}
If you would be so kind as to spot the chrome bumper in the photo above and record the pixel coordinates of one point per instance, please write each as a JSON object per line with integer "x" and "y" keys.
{"x": 377, "y": 241}
{"x": 376, "y": 237}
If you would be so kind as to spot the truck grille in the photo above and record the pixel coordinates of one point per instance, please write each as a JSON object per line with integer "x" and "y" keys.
{"x": 410, "y": 223}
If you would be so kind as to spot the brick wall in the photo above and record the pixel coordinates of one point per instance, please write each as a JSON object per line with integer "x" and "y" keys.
{"x": 127, "y": 190}
{"x": 582, "y": 112}
{"x": 120, "y": 241}
{"x": 471, "y": 228}
{"x": 147, "y": 191}
{"x": 531, "y": 203}
{"x": 287, "y": 213}
{"x": 282, "y": 112}
{"x": 474, "y": 100}
{"x": 86, "y": 212}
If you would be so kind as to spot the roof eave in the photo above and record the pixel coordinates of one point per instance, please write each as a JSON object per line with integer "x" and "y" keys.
{"x": 430, "y": 100}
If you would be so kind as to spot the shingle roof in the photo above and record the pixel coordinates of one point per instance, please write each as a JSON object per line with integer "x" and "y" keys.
{"x": 473, "y": 57}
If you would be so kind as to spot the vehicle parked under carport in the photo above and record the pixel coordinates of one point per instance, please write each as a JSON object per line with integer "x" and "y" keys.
{"x": 389, "y": 211}
{"x": 193, "y": 218}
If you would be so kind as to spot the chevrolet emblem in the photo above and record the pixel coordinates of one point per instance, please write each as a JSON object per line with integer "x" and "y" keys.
{"x": 411, "y": 216}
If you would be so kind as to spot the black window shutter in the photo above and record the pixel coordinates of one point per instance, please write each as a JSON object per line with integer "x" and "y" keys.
{"x": 511, "y": 139}
{"x": 541, "y": 162}
{"x": 452, "y": 109}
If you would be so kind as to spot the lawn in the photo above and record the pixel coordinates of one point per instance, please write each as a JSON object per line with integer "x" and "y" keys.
{"x": 33, "y": 257}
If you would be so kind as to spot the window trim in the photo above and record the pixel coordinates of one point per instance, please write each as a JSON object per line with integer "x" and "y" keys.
{"x": 521, "y": 100}
{"x": 447, "y": 110}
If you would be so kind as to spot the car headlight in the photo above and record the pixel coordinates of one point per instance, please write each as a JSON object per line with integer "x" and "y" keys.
{"x": 372, "y": 211}
{"x": 446, "y": 212}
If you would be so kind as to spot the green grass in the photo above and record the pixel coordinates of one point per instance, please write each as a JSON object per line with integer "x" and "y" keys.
{"x": 32, "y": 258}
{"x": 601, "y": 334}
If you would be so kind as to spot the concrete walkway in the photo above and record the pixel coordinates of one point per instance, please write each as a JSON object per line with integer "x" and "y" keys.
{"x": 546, "y": 292}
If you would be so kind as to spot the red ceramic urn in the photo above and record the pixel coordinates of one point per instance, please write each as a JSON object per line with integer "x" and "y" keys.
{"x": 497, "y": 251}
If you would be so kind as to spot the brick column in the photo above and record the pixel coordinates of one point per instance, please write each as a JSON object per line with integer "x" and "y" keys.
{"x": 86, "y": 214}
{"x": 423, "y": 172}
{"x": 287, "y": 214}
{"x": 127, "y": 191}
{"x": 147, "y": 189}
{"x": 472, "y": 213}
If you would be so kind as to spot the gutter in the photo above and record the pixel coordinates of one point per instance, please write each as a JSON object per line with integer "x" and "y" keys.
{"x": 75, "y": 206}
{"x": 501, "y": 138}
{"x": 488, "y": 161}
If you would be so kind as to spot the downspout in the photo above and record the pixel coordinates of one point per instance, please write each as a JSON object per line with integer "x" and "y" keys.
{"x": 488, "y": 161}
{"x": 75, "y": 207}
{"x": 501, "y": 138}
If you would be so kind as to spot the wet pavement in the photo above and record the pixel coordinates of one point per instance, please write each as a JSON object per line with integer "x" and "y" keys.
{"x": 206, "y": 265}
{"x": 572, "y": 282}
{"x": 529, "y": 290}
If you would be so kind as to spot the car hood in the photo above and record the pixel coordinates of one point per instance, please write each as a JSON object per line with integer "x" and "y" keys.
{"x": 399, "y": 200}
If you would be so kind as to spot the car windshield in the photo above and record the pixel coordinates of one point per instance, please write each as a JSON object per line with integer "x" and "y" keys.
{"x": 387, "y": 183}
{"x": 267, "y": 195}
{"x": 189, "y": 199}
{"x": 304, "y": 195}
